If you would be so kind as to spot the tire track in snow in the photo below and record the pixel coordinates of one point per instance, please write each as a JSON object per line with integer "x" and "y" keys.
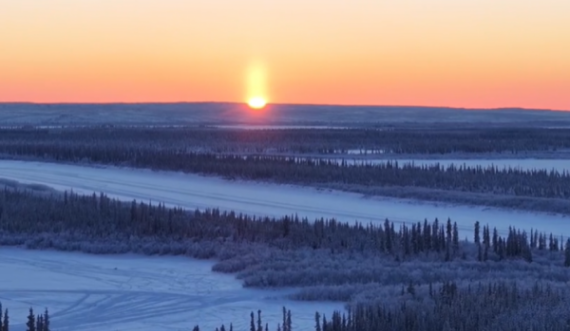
{"x": 85, "y": 292}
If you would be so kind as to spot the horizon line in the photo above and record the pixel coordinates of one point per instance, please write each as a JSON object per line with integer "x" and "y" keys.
{"x": 275, "y": 104}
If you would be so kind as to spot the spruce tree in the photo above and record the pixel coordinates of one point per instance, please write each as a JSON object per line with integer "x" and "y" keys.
{"x": 479, "y": 253}
{"x": 259, "y": 325}
{"x": 6, "y": 321}
{"x": 31, "y": 324}
{"x": 477, "y": 229}
{"x": 455, "y": 238}
{"x": 567, "y": 254}
{"x": 39, "y": 323}
{"x": 46, "y": 321}
{"x": 448, "y": 232}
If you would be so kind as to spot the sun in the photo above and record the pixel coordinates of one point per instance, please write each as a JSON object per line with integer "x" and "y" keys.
{"x": 257, "y": 102}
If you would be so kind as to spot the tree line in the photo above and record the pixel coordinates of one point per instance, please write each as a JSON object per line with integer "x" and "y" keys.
{"x": 34, "y": 322}
{"x": 451, "y": 306}
{"x": 50, "y": 218}
{"x": 306, "y": 171}
{"x": 322, "y": 141}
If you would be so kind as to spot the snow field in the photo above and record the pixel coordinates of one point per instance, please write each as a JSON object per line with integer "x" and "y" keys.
{"x": 263, "y": 199}
{"x": 136, "y": 293}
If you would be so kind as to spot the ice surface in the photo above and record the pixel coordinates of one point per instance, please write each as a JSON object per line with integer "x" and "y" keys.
{"x": 194, "y": 191}
{"x": 131, "y": 292}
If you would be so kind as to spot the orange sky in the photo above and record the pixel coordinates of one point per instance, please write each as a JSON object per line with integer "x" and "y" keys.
{"x": 468, "y": 53}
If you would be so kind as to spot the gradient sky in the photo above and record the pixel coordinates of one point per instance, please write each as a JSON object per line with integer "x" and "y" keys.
{"x": 460, "y": 53}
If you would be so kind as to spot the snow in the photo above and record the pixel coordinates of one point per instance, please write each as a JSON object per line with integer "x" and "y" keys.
{"x": 131, "y": 292}
{"x": 263, "y": 199}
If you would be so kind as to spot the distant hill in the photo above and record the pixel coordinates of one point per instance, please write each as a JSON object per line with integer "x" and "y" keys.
{"x": 18, "y": 114}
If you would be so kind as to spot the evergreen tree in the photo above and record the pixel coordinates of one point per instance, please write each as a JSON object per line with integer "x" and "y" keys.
{"x": 479, "y": 253}
{"x": 46, "y": 321}
{"x": 567, "y": 254}
{"x": 252, "y": 322}
{"x": 388, "y": 234}
{"x": 477, "y": 229}
{"x": 6, "y": 322}
{"x": 449, "y": 232}
{"x": 31, "y": 324}
{"x": 39, "y": 323}
{"x": 455, "y": 238}
{"x": 495, "y": 239}
{"x": 427, "y": 236}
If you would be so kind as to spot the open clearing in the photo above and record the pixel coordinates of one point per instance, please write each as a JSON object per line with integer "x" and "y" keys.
{"x": 263, "y": 199}
{"x": 131, "y": 292}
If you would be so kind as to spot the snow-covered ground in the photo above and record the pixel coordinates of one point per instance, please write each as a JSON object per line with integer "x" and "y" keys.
{"x": 194, "y": 191}
{"x": 131, "y": 292}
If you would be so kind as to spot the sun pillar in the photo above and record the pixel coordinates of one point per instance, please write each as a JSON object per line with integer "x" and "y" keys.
{"x": 256, "y": 85}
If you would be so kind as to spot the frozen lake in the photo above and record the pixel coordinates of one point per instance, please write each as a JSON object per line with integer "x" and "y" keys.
{"x": 194, "y": 191}
{"x": 136, "y": 293}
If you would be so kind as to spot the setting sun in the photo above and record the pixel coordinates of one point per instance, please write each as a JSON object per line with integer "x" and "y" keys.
{"x": 256, "y": 85}
{"x": 257, "y": 103}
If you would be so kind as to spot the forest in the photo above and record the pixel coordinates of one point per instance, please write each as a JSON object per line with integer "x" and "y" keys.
{"x": 395, "y": 277}
{"x": 387, "y": 140}
{"x": 391, "y": 275}
{"x": 199, "y": 151}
